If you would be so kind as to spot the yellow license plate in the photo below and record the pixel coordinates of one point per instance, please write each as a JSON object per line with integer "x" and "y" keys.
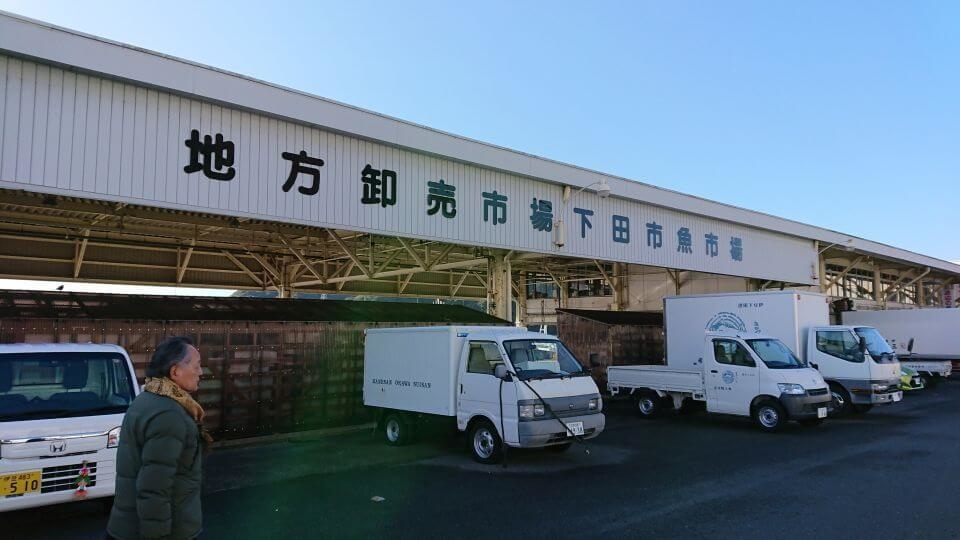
{"x": 19, "y": 483}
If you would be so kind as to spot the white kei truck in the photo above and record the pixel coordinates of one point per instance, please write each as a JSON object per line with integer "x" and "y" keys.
{"x": 501, "y": 385}
{"x": 729, "y": 368}
{"x": 925, "y": 340}
{"x": 61, "y": 407}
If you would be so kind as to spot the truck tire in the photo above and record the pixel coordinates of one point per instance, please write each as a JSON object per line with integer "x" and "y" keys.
{"x": 769, "y": 415}
{"x": 649, "y": 404}
{"x": 842, "y": 405}
{"x": 861, "y": 409}
{"x": 485, "y": 443}
{"x": 397, "y": 431}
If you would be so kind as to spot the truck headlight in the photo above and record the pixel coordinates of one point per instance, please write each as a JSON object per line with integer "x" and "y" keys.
{"x": 113, "y": 437}
{"x": 593, "y": 404}
{"x": 792, "y": 389}
{"x": 882, "y": 387}
{"x": 538, "y": 409}
{"x": 526, "y": 412}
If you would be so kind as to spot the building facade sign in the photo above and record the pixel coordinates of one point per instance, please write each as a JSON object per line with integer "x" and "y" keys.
{"x": 93, "y": 137}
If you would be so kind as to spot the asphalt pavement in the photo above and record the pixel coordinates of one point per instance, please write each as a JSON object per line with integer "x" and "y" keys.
{"x": 891, "y": 473}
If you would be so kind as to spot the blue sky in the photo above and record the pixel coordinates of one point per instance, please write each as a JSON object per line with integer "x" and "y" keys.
{"x": 844, "y": 115}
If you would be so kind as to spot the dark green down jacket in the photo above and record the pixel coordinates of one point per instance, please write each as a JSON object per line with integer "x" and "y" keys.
{"x": 158, "y": 472}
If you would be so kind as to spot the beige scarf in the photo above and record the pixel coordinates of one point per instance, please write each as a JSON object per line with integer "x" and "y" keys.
{"x": 163, "y": 386}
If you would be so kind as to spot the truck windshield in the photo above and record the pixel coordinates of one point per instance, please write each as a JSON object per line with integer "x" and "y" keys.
{"x": 775, "y": 354}
{"x": 58, "y": 385}
{"x": 878, "y": 347}
{"x": 540, "y": 359}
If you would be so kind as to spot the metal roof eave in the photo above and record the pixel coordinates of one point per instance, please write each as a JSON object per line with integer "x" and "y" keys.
{"x": 36, "y": 39}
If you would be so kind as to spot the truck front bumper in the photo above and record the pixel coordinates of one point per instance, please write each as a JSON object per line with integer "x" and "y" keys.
{"x": 550, "y": 431}
{"x": 805, "y": 406}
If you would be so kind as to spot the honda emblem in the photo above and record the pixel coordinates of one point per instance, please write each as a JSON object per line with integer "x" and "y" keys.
{"x": 59, "y": 446}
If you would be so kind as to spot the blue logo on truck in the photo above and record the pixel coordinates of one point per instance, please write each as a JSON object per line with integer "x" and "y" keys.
{"x": 729, "y": 377}
{"x": 726, "y": 321}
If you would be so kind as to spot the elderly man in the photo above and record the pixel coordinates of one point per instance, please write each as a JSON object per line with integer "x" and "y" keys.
{"x": 161, "y": 443}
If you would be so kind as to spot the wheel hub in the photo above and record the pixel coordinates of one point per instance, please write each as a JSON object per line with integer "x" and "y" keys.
{"x": 769, "y": 417}
{"x": 483, "y": 443}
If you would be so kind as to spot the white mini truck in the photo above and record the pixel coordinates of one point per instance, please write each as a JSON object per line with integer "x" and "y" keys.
{"x": 60, "y": 406}
{"x": 501, "y": 385}
{"x": 926, "y": 340}
{"x": 735, "y": 374}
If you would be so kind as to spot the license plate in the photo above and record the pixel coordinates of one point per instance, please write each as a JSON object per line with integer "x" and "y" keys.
{"x": 822, "y": 412}
{"x": 575, "y": 428}
{"x": 897, "y": 397}
{"x": 19, "y": 483}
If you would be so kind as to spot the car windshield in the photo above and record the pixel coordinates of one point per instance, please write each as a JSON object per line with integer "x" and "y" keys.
{"x": 876, "y": 345}
{"x": 58, "y": 385}
{"x": 775, "y": 354}
{"x": 535, "y": 358}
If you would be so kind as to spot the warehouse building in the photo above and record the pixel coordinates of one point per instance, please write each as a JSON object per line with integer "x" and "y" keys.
{"x": 120, "y": 165}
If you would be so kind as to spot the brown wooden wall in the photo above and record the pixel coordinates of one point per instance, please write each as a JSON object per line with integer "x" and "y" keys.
{"x": 258, "y": 377}
{"x": 613, "y": 344}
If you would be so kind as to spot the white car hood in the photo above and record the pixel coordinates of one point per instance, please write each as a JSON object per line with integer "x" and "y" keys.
{"x": 64, "y": 435}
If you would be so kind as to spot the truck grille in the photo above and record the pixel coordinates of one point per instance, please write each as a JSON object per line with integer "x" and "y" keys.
{"x": 817, "y": 392}
{"x": 64, "y": 477}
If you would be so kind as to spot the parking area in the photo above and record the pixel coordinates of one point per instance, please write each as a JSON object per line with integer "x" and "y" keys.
{"x": 891, "y": 473}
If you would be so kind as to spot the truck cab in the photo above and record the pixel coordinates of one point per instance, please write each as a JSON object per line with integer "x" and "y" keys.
{"x": 61, "y": 407}
{"x": 747, "y": 372}
{"x": 861, "y": 369}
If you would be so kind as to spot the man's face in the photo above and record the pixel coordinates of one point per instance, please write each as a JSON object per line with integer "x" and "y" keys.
{"x": 187, "y": 373}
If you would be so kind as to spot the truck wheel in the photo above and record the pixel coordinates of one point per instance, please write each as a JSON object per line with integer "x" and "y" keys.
{"x": 769, "y": 415}
{"x": 396, "y": 429}
{"x": 485, "y": 443}
{"x": 841, "y": 400}
{"x": 929, "y": 381}
{"x": 649, "y": 404}
{"x": 861, "y": 409}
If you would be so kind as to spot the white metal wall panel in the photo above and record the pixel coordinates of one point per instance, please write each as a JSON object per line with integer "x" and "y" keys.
{"x": 99, "y": 138}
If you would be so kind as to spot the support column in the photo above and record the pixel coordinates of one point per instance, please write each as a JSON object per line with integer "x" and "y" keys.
{"x": 522, "y": 300}
{"x": 878, "y": 295}
{"x": 499, "y": 287}
{"x": 621, "y": 290}
{"x": 823, "y": 273}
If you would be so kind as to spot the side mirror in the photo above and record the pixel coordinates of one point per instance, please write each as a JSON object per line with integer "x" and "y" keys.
{"x": 501, "y": 372}
{"x": 863, "y": 344}
{"x": 814, "y": 366}
{"x": 910, "y": 346}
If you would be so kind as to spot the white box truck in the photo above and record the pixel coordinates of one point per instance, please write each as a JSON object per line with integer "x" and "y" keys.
{"x": 857, "y": 379}
{"x": 61, "y": 407}
{"x": 728, "y": 368}
{"x": 501, "y": 385}
{"x": 925, "y": 340}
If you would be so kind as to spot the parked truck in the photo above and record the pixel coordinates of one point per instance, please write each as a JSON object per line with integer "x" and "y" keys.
{"x": 857, "y": 379}
{"x": 736, "y": 374}
{"x": 925, "y": 340}
{"x": 500, "y": 385}
{"x": 61, "y": 407}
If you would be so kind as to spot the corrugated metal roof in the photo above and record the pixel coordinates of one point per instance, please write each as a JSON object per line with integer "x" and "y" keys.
{"x": 69, "y": 305}
{"x": 639, "y": 318}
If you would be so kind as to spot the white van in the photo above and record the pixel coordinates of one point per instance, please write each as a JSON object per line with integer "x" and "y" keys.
{"x": 502, "y": 385}
{"x": 60, "y": 405}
